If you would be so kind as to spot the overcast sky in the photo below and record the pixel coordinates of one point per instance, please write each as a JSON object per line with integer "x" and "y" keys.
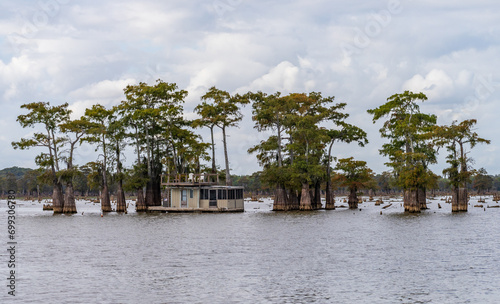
{"x": 361, "y": 52}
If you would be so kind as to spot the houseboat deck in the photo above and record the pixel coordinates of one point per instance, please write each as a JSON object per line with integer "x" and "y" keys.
{"x": 191, "y": 210}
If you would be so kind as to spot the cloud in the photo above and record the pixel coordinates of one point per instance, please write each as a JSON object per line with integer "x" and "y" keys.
{"x": 436, "y": 84}
{"x": 87, "y": 52}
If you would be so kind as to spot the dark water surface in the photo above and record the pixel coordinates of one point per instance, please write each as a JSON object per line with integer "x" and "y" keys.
{"x": 259, "y": 256}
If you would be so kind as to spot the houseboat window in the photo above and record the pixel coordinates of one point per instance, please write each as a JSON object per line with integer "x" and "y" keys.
{"x": 239, "y": 193}
{"x": 222, "y": 194}
{"x": 204, "y": 194}
{"x": 231, "y": 194}
{"x": 190, "y": 193}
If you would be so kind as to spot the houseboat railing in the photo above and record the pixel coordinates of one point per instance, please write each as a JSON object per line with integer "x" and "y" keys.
{"x": 190, "y": 179}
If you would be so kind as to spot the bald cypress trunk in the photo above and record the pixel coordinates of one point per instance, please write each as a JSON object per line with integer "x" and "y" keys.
{"x": 292, "y": 201}
{"x": 69, "y": 204}
{"x": 330, "y": 197}
{"x": 411, "y": 202}
{"x": 121, "y": 205}
{"x": 353, "y": 199}
{"x": 463, "y": 199}
{"x": 422, "y": 198}
{"x": 57, "y": 198}
{"x": 105, "y": 201}
{"x": 279, "y": 199}
{"x": 459, "y": 200}
{"x": 140, "y": 203}
{"x": 317, "y": 196}
{"x": 149, "y": 193}
{"x": 305, "y": 198}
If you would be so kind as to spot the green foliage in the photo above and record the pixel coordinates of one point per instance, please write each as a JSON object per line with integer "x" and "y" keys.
{"x": 455, "y": 138}
{"x": 50, "y": 118}
{"x": 482, "y": 181}
{"x": 354, "y": 174}
{"x": 410, "y": 148}
{"x": 305, "y": 128}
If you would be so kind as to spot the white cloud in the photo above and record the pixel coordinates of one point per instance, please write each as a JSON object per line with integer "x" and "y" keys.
{"x": 89, "y": 51}
{"x": 436, "y": 84}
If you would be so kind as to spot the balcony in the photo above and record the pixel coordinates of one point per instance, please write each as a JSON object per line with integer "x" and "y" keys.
{"x": 191, "y": 179}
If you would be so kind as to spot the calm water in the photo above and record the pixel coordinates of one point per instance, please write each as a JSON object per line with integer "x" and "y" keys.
{"x": 259, "y": 256}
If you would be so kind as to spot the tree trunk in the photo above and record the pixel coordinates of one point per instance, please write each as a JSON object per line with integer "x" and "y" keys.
{"x": 292, "y": 201}
{"x": 149, "y": 193}
{"x": 57, "y": 198}
{"x": 411, "y": 202}
{"x": 279, "y": 199}
{"x": 105, "y": 202}
{"x": 156, "y": 190}
{"x": 422, "y": 198}
{"x": 353, "y": 199}
{"x": 121, "y": 205}
{"x": 305, "y": 198}
{"x": 459, "y": 200}
{"x": 330, "y": 197}
{"x": 214, "y": 168}
{"x": 69, "y": 204}
{"x": 317, "y": 196}
{"x": 228, "y": 173}
{"x": 140, "y": 203}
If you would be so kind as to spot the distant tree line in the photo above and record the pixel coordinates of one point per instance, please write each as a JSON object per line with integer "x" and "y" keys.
{"x": 298, "y": 160}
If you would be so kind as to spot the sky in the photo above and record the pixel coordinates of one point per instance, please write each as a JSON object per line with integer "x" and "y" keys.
{"x": 361, "y": 52}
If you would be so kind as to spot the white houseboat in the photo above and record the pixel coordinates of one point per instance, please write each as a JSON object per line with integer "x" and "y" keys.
{"x": 199, "y": 193}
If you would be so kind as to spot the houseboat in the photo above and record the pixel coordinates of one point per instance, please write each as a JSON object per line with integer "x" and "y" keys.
{"x": 199, "y": 193}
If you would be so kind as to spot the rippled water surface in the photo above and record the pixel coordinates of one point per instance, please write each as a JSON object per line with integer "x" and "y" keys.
{"x": 340, "y": 256}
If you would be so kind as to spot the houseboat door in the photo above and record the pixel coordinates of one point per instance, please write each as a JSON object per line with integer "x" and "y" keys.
{"x": 184, "y": 198}
{"x": 213, "y": 198}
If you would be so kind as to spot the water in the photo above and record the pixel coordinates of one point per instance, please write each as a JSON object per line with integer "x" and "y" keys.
{"x": 259, "y": 256}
